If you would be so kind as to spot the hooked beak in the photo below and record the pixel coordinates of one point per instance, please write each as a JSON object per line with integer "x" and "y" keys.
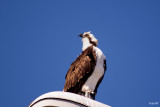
{"x": 81, "y": 35}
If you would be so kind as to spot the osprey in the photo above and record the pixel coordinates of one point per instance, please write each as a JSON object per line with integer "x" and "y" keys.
{"x": 87, "y": 71}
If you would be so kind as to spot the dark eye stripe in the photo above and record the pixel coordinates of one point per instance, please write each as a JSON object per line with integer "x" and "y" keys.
{"x": 93, "y": 43}
{"x": 86, "y": 35}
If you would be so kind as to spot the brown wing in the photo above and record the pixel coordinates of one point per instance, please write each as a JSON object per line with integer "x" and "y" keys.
{"x": 80, "y": 70}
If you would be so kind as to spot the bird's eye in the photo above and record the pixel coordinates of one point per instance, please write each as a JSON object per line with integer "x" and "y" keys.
{"x": 86, "y": 35}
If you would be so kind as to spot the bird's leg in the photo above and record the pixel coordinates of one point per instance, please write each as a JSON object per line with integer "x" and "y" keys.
{"x": 90, "y": 95}
{"x": 87, "y": 94}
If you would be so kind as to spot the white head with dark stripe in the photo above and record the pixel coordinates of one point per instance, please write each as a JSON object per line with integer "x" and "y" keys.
{"x": 88, "y": 40}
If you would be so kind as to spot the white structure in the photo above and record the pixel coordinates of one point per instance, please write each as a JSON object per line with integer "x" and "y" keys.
{"x": 64, "y": 99}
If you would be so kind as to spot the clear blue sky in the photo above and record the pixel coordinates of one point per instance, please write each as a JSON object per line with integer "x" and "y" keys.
{"x": 38, "y": 42}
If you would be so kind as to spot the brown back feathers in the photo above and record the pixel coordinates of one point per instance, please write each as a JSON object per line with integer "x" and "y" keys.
{"x": 80, "y": 70}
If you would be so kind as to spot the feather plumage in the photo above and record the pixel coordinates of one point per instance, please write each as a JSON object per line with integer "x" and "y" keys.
{"x": 80, "y": 70}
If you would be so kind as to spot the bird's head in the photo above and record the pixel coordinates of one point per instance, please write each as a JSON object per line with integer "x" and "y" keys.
{"x": 88, "y": 37}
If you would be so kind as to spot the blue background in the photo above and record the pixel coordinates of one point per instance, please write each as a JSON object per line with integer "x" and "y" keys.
{"x": 38, "y": 42}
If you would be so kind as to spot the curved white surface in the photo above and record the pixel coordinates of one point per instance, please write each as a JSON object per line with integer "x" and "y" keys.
{"x": 70, "y": 98}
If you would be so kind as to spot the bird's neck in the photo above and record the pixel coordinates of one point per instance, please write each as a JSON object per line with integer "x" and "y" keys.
{"x": 86, "y": 43}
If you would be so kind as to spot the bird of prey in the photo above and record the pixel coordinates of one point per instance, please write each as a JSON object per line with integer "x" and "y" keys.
{"x": 87, "y": 71}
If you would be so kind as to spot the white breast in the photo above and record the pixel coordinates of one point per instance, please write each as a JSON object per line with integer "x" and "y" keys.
{"x": 98, "y": 72}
